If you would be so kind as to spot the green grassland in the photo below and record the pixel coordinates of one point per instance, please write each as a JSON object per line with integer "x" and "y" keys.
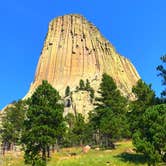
{"x": 123, "y": 155}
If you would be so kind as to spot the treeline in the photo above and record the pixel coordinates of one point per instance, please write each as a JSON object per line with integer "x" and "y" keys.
{"x": 38, "y": 125}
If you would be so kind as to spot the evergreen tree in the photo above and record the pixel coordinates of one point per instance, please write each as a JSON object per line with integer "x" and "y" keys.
{"x": 162, "y": 73}
{"x": 150, "y": 138}
{"x": 12, "y": 123}
{"x": 43, "y": 125}
{"x": 79, "y": 129}
{"x": 145, "y": 97}
{"x": 70, "y": 119}
{"x": 109, "y": 118}
{"x": 77, "y": 88}
{"x": 69, "y": 136}
{"x": 67, "y": 91}
{"x": 89, "y": 89}
{"x": 92, "y": 93}
{"x": 81, "y": 85}
{"x": 87, "y": 85}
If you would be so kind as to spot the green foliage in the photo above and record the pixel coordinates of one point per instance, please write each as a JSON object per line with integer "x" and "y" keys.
{"x": 69, "y": 136}
{"x": 81, "y": 85}
{"x": 12, "y": 123}
{"x": 145, "y": 97}
{"x": 150, "y": 138}
{"x": 43, "y": 125}
{"x": 67, "y": 91}
{"x": 87, "y": 85}
{"x": 92, "y": 93}
{"x": 147, "y": 123}
{"x": 109, "y": 117}
{"x": 144, "y": 94}
{"x": 70, "y": 119}
{"x": 77, "y": 88}
{"x": 110, "y": 95}
{"x": 162, "y": 73}
{"x": 45, "y": 95}
{"x": 89, "y": 89}
{"x": 77, "y": 129}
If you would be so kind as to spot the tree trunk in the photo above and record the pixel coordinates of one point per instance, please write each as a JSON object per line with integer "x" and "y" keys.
{"x": 106, "y": 141}
{"x": 3, "y": 148}
{"x": 48, "y": 151}
{"x": 97, "y": 138}
{"x": 53, "y": 148}
{"x": 81, "y": 144}
{"x": 8, "y": 146}
{"x": 11, "y": 146}
{"x": 56, "y": 145}
{"x": 44, "y": 154}
{"x": 111, "y": 144}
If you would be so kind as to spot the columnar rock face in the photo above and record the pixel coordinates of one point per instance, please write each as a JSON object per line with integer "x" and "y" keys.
{"x": 74, "y": 49}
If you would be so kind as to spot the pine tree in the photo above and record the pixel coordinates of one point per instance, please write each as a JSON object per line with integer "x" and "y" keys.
{"x": 43, "y": 125}
{"x": 162, "y": 73}
{"x": 70, "y": 121}
{"x": 12, "y": 123}
{"x": 145, "y": 97}
{"x": 92, "y": 93}
{"x": 81, "y": 85}
{"x": 109, "y": 118}
{"x": 87, "y": 85}
{"x": 150, "y": 138}
{"x": 67, "y": 91}
{"x": 79, "y": 129}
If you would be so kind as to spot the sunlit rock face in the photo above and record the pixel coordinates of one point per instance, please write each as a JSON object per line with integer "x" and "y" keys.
{"x": 74, "y": 49}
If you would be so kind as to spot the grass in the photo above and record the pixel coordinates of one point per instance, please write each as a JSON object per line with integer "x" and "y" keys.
{"x": 123, "y": 155}
{"x": 12, "y": 159}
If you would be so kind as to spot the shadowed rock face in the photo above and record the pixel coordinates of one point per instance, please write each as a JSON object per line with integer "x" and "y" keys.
{"x": 74, "y": 49}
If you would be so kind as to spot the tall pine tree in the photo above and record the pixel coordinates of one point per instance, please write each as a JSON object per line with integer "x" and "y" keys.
{"x": 109, "y": 118}
{"x": 145, "y": 97}
{"x": 162, "y": 73}
{"x": 150, "y": 138}
{"x": 43, "y": 126}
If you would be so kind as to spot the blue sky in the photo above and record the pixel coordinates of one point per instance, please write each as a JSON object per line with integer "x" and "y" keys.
{"x": 137, "y": 29}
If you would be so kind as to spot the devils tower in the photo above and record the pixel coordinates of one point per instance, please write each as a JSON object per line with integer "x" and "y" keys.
{"x": 74, "y": 49}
